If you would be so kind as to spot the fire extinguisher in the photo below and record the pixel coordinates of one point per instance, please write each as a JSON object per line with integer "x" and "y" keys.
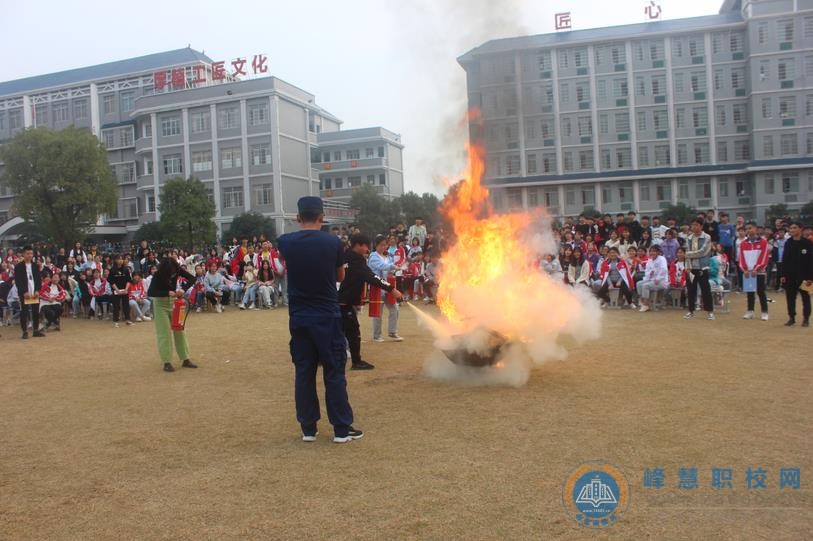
{"x": 179, "y": 314}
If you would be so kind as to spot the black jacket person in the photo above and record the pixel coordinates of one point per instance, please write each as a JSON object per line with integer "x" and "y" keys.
{"x": 796, "y": 270}
{"x": 357, "y": 273}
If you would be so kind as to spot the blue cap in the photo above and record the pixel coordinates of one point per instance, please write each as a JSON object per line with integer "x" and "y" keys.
{"x": 310, "y": 203}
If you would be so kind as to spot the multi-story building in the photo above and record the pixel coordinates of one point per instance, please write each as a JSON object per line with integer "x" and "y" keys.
{"x": 177, "y": 113}
{"x": 715, "y": 112}
{"x": 348, "y": 158}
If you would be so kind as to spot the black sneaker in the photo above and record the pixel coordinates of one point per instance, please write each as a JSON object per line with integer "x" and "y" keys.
{"x": 168, "y": 367}
{"x": 39, "y": 334}
{"x": 25, "y": 335}
{"x": 362, "y": 365}
{"x": 188, "y": 364}
{"x": 790, "y": 323}
{"x": 806, "y": 323}
{"x": 352, "y": 434}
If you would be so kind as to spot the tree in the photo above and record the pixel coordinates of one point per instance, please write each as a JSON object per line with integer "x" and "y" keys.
{"x": 426, "y": 206}
{"x": 376, "y": 214}
{"x": 806, "y": 213}
{"x": 250, "y": 224}
{"x": 186, "y": 213}
{"x": 778, "y": 211}
{"x": 682, "y": 213}
{"x": 150, "y": 232}
{"x": 61, "y": 180}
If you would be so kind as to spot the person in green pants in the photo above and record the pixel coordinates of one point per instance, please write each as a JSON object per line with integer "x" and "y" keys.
{"x": 164, "y": 288}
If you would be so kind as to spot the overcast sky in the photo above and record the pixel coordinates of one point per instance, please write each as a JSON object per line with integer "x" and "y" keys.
{"x": 371, "y": 63}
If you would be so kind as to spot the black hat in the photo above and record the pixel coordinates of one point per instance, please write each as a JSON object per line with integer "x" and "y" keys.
{"x": 310, "y": 203}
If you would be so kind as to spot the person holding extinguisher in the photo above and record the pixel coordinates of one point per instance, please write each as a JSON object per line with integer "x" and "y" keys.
{"x": 164, "y": 291}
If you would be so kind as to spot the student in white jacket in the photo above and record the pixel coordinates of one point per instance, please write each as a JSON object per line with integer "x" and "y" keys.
{"x": 656, "y": 277}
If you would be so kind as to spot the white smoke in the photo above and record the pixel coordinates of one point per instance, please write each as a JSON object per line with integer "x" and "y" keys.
{"x": 536, "y": 313}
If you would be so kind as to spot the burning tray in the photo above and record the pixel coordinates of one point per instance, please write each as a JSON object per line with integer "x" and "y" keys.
{"x": 488, "y": 356}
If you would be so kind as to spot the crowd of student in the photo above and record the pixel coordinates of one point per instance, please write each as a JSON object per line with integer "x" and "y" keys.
{"x": 641, "y": 260}
{"x": 85, "y": 283}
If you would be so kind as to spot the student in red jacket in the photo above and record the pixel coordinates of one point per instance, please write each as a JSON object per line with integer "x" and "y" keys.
{"x": 677, "y": 270}
{"x": 615, "y": 273}
{"x": 51, "y": 298}
{"x": 754, "y": 256}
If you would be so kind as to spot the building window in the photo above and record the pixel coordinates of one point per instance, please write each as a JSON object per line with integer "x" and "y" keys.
{"x": 147, "y": 166}
{"x": 695, "y": 47}
{"x": 769, "y": 184}
{"x": 787, "y": 107}
{"x": 566, "y": 127}
{"x": 656, "y": 50}
{"x": 790, "y": 182}
{"x": 126, "y": 136}
{"x": 109, "y": 104}
{"x": 784, "y": 30}
{"x": 380, "y": 152}
{"x": 170, "y": 126}
{"x": 767, "y": 146}
{"x": 735, "y": 42}
{"x": 261, "y": 154}
{"x": 722, "y": 188}
{"x": 698, "y": 81}
{"x": 173, "y": 164}
{"x": 202, "y": 161}
{"x": 127, "y": 101}
{"x": 739, "y": 113}
{"x": 606, "y": 159}
{"x": 658, "y": 85}
{"x": 680, "y": 118}
{"x": 663, "y": 190}
{"x": 588, "y": 194}
{"x": 762, "y": 32}
{"x": 622, "y": 122}
{"x": 766, "y": 108}
{"x": 643, "y": 191}
{"x": 585, "y": 126}
{"x": 257, "y": 114}
{"x": 702, "y": 189}
{"x": 718, "y": 79}
{"x": 641, "y": 121}
{"x": 125, "y": 172}
{"x": 742, "y": 150}
{"x": 586, "y": 160}
{"x": 620, "y": 89}
{"x": 369, "y": 152}
{"x": 683, "y": 190}
{"x": 722, "y": 151}
{"x": 354, "y": 181}
{"x": 737, "y": 78}
{"x": 601, "y": 88}
{"x": 643, "y": 156}
{"x": 41, "y": 115}
{"x": 564, "y": 93}
{"x": 662, "y": 156}
{"x": 352, "y": 154}
{"x": 810, "y": 145}
{"x": 150, "y": 203}
{"x": 338, "y": 183}
{"x": 677, "y": 47}
{"x": 809, "y": 105}
{"x": 231, "y": 158}
{"x": 582, "y": 92}
{"x": 603, "y": 124}
{"x": 789, "y": 144}
{"x": 660, "y": 119}
{"x": 678, "y": 78}
{"x": 326, "y": 184}
{"x": 530, "y": 163}
{"x": 701, "y": 153}
{"x": 567, "y": 159}
{"x": 579, "y": 58}
{"x": 512, "y": 165}
{"x": 682, "y": 154}
{"x": 201, "y": 122}
{"x": 700, "y": 117}
{"x": 807, "y": 26}
{"x": 263, "y": 194}
{"x": 382, "y": 179}
{"x": 764, "y": 68}
{"x": 60, "y": 111}
{"x": 721, "y": 116}
{"x": 147, "y": 128}
{"x": 15, "y": 120}
{"x": 227, "y": 117}
{"x": 371, "y": 180}
{"x": 640, "y": 86}
{"x": 109, "y": 138}
{"x": 548, "y": 163}
{"x": 786, "y": 69}
{"x": 232, "y": 197}
{"x": 80, "y": 110}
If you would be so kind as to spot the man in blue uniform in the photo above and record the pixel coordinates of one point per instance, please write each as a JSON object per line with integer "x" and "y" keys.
{"x": 315, "y": 262}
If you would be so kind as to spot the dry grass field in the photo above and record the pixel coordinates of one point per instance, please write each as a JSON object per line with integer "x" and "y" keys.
{"x": 99, "y": 443}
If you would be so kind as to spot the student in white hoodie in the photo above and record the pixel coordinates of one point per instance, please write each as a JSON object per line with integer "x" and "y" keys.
{"x": 656, "y": 277}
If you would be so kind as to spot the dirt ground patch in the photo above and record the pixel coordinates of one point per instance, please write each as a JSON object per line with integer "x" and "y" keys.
{"x": 99, "y": 443}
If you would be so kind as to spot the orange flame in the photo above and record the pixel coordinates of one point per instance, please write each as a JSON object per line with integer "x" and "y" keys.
{"x": 489, "y": 276}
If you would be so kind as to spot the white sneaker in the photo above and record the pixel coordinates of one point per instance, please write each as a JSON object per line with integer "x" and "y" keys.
{"x": 689, "y": 315}
{"x": 603, "y": 304}
{"x": 765, "y": 316}
{"x": 309, "y": 438}
{"x": 146, "y": 318}
{"x": 711, "y": 316}
{"x": 198, "y": 310}
{"x": 255, "y": 307}
{"x": 379, "y": 339}
{"x": 426, "y": 299}
{"x": 129, "y": 322}
{"x": 633, "y": 306}
{"x": 396, "y": 338}
{"x": 115, "y": 325}
{"x": 241, "y": 306}
{"x": 139, "y": 320}
{"x": 644, "y": 308}
{"x": 748, "y": 315}
{"x": 219, "y": 309}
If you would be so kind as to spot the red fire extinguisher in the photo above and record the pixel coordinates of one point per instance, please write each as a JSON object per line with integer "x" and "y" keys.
{"x": 179, "y": 314}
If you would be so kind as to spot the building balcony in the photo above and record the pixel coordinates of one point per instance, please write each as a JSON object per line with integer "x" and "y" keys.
{"x": 351, "y": 165}
{"x": 143, "y": 145}
{"x": 145, "y": 182}
{"x": 348, "y": 192}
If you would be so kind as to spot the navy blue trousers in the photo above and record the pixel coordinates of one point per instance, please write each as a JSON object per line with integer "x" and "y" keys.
{"x": 318, "y": 341}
